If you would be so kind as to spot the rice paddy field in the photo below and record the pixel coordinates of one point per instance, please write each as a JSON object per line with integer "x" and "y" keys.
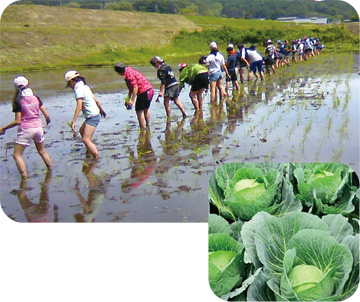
{"x": 308, "y": 112}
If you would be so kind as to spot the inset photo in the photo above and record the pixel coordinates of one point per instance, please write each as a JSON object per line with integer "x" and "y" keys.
{"x": 284, "y": 232}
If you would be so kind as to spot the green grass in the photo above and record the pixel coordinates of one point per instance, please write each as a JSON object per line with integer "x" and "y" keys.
{"x": 42, "y": 37}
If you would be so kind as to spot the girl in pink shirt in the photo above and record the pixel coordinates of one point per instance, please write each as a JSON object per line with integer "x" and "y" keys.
{"x": 26, "y": 107}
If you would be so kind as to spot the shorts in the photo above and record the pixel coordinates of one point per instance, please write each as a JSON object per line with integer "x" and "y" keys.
{"x": 143, "y": 100}
{"x": 233, "y": 76}
{"x": 93, "y": 120}
{"x": 281, "y": 56}
{"x": 172, "y": 92}
{"x": 242, "y": 66}
{"x": 269, "y": 61}
{"x": 201, "y": 81}
{"x": 256, "y": 65}
{"x": 215, "y": 76}
{"x": 24, "y": 136}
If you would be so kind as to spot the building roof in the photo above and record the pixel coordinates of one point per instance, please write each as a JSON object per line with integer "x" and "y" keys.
{"x": 315, "y": 20}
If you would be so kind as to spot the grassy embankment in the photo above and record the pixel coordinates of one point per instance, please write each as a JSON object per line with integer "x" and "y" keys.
{"x": 41, "y": 37}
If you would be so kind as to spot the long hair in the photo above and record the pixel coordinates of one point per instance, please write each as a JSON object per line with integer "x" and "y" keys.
{"x": 79, "y": 79}
{"x": 17, "y": 96}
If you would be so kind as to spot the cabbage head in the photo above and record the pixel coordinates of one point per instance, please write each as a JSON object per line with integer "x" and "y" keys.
{"x": 326, "y": 188}
{"x": 241, "y": 190}
{"x": 303, "y": 257}
{"x": 226, "y": 257}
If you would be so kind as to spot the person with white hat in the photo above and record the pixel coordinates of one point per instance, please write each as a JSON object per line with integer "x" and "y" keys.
{"x": 231, "y": 65}
{"x": 26, "y": 107}
{"x": 215, "y": 61}
{"x": 169, "y": 87}
{"x": 270, "y": 56}
{"x": 89, "y": 105}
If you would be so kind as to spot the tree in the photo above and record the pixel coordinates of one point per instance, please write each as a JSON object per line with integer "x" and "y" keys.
{"x": 74, "y": 5}
{"x": 190, "y": 10}
{"x": 120, "y": 5}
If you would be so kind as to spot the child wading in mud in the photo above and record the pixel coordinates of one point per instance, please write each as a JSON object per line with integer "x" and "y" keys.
{"x": 89, "y": 105}
{"x": 26, "y": 107}
{"x": 169, "y": 88}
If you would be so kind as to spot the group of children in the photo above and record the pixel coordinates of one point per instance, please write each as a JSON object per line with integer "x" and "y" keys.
{"x": 207, "y": 72}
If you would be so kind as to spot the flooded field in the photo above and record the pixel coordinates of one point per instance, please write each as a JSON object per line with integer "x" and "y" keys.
{"x": 308, "y": 112}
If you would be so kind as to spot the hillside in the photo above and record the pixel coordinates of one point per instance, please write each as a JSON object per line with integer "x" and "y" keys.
{"x": 39, "y": 36}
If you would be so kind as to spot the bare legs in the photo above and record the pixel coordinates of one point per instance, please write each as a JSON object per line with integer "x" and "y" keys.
{"x": 143, "y": 118}
{"x": 177, "y": 103}
{"x": 87, "y": 133}
{"x": 213, "y": 85}
{"x": 197, "y": 99}
{"x": 20, "y": 163}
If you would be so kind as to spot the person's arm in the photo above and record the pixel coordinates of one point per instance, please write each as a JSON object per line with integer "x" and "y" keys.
{"x": 243, "y": 57}
{"x": 133, "y": 95}
{"x": 161, "y": 93}
{"x": 78, "y": 108}
{"x": 102, "y": 112}
{"x": 46, "y": 114}
{"x": 226, "y": 70}
{"x": 13, "y": 124}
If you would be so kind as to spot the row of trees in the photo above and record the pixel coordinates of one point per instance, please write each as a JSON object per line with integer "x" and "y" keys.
{"x": 268, "y": 9}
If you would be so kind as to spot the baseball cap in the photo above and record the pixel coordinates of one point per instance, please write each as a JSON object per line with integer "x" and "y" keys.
{"x": 182, "y": 65}
{"x": 21, "y": 81}
{"x": 119, "y": 67}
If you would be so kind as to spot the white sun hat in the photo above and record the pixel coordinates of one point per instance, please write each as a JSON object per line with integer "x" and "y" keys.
{"x": 69, "y": 75}
{"x": 21, "y": 81}
{"x": 213, "y": 45}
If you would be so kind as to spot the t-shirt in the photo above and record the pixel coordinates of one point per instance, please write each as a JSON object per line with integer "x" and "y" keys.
{"x": 166, "y": 76}
{"x": 134, "y": 78}
{"x": 214, "y": 61}
{"x": 188, "y": 74}
{"x": 270, "y": 51}
{"x": 231, "y": 62}
{"x": 253, "y": 56}
{"x": 89, "y": 106}
{"x": 240, "y": 55}
{"x": 28, "y": 104}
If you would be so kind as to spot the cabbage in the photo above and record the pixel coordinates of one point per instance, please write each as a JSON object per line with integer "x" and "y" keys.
{"x": 286, "y": 232}
{"x": 226, "y": 257}
{"x": 303, "y": 257}
{"x": 326, "y": 188}
{"x": 241, "y": 190}
{"x": 303, "y": 277}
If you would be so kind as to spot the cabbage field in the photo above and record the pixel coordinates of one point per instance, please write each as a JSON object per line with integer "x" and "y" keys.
{"x": 284, "y": 232}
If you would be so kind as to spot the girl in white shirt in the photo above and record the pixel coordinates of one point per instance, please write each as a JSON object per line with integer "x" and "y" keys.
{"x": 214, "y": 62}
{"x": 91, "y": 108}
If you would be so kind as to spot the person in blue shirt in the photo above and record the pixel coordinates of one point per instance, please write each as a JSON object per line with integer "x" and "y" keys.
{"x": 242, "y": 61}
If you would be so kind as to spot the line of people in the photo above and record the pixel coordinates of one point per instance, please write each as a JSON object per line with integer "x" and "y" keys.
{"x": 207, "y": 72}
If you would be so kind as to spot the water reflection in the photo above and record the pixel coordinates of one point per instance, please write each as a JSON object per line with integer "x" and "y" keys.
{"x": 36, "y": 212}
{"x": 97, "y": 188}
{"x": 141, "y": 166}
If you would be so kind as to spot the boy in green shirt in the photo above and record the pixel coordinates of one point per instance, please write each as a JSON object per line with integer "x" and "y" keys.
{"x": 197, "y": 76}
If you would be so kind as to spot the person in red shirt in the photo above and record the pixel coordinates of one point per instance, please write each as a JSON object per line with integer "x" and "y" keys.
{"x": 141, "y": 92}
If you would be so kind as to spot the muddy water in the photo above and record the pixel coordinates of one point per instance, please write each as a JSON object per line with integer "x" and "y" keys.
{"x": 307, "y": 112}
